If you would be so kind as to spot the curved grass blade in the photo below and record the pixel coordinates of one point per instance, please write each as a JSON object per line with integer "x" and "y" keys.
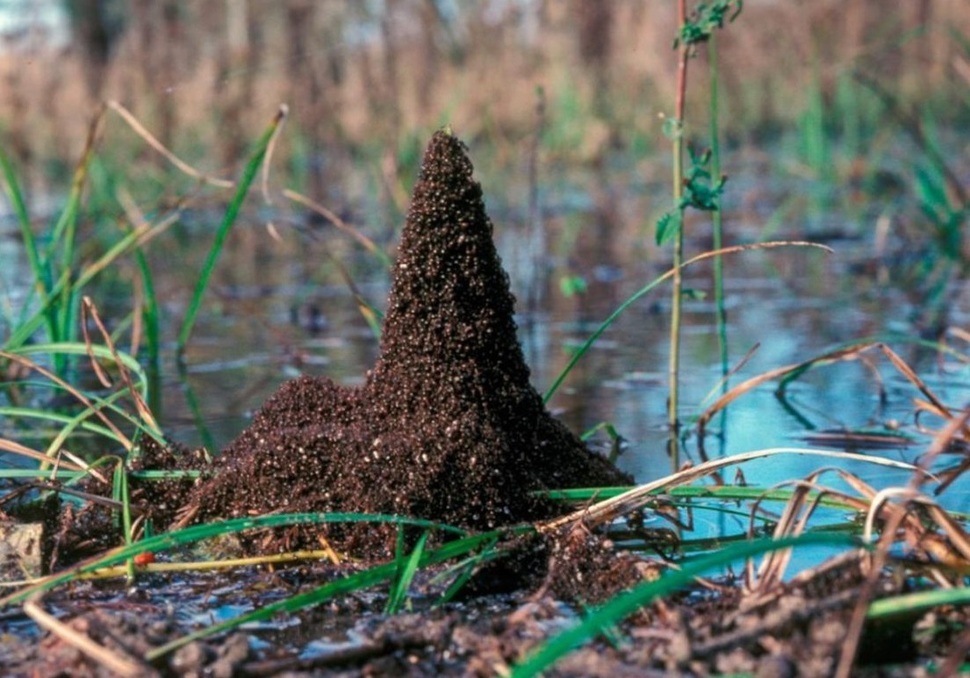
{"x": 121, "y": 437}
{"x": 334, "y": 219}
{"x": 355, "y": 582}
{"x": 159, "y": 147}
{"x": 724, "y": 493}
{"x": 134, "y": 238}
{"x": 190, "y": 535}
{"x": 633, "y": 498}
{"x": 629, "y": 602}
{"x": 228, "y": 219}
{"x": 910, "y": 603}
{"x": 77, "y": 348}
{"x": 467, "y": 568}
{"x": 94, "y": 404}
{"x": 88, "y": 309}
{"x": 581, "y": 351}
{"x": 54, "y": 417}
{"x": 74, "y": 422}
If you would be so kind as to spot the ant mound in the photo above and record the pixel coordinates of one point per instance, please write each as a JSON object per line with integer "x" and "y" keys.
{"x": 446, "y": 426}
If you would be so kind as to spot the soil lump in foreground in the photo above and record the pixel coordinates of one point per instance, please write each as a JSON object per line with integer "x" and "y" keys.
{"x": 446, "y": 426}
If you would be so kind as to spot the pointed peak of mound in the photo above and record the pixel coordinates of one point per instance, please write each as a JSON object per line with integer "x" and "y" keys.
{"x": 450, "y": 309}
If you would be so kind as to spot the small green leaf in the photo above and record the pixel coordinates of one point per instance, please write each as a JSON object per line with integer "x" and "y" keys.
{"x": 705, "y": 19}
{"x": 572, "y": 285}
{"x": 668, "y": 226}
{"x": 693, "y": 295}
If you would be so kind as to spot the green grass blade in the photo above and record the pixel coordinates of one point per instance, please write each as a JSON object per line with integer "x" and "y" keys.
{"x": 120, "y": 492}
{"x": 153, "y": 333}
{"x": 467, "y": 568}
{"x": 100, "y": 352}
{"x": 228, "y": 219}
{"x": 405, "y": 576}
{"x": 64, "y": 237}
{"x": 349, "y": 584}
{"x": 172, "y": 474}
{"x": 190, "y": 535}
{"x": 26, "y": 328}
{"x": 581, "y": 351}
{"x": 195, "y": 407}
{"x": 72, "y": 425}
{"x": 16, "y": 197}
{"x": 629, "y": 602}
{"x": 920, "y": 601}
{"x": 34, "y": 474}
{"x": 651, "y": 285}
{"x": 56, "y": 417}
{"x": 39, "y": 270}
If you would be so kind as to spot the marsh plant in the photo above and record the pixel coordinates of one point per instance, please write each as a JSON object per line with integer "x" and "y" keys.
{"x": 75, "y": 378}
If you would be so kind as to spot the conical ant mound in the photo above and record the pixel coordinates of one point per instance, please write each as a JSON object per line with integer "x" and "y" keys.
{"x": 446, "y": 426}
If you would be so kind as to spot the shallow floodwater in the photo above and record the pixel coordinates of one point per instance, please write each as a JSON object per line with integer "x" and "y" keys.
{"x": 277, "y": 308}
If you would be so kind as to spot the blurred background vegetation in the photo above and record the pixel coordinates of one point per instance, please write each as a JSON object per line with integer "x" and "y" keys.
{"x": 840, "y": 118}
{"x": 373, "y": 77}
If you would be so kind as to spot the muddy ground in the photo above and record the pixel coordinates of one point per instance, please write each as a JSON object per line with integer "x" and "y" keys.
{"x": 798, "y": 632}
{"x": 448, "y": 428}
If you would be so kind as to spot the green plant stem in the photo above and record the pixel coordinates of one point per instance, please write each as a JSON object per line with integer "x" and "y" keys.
{"x": 626, "y": 603}
{"x": 678, "y": 189}
{"x": 151, "y": 318}
{"x": 208, "y": 442}
{"x": 581, "y": 351}
{"x": 195, "y": 533}
{"x": 349, "y": 584}
{"x": 122, "y": 495}
{"x": 64, "y": 238}
{"x": 716, "y": 216}
{"x": 41, "y": 273}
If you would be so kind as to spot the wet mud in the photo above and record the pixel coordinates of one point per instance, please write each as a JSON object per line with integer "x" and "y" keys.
{"x": 712, "y": 629}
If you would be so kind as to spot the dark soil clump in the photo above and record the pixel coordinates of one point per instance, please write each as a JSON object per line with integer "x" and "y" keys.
{"x": 446, "y": 426}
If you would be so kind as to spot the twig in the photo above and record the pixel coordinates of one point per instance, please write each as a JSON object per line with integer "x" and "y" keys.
{"x": 160, "y": 148}
{"x": 122, "y": 664}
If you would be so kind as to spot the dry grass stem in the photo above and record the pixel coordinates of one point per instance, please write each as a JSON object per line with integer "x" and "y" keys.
{"x": 609, "y": 509}
{"x": 95, "y": 409}
{"x": 88, "y": 308}
{"x": 334, "y": 219}
{"x": 284, "y": 111}
{"x": 149, "y": 139}
{"x": 121, "y": 664}
{"x": 772, "y": 569}
{"x": 856, "y": 352}
{"x": 76, "y": 464}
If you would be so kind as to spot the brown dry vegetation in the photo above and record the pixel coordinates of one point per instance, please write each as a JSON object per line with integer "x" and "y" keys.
{"x": 205, "y": 75}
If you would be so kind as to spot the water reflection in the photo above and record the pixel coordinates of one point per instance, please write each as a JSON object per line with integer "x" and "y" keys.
{"x": 789, "y": 304}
